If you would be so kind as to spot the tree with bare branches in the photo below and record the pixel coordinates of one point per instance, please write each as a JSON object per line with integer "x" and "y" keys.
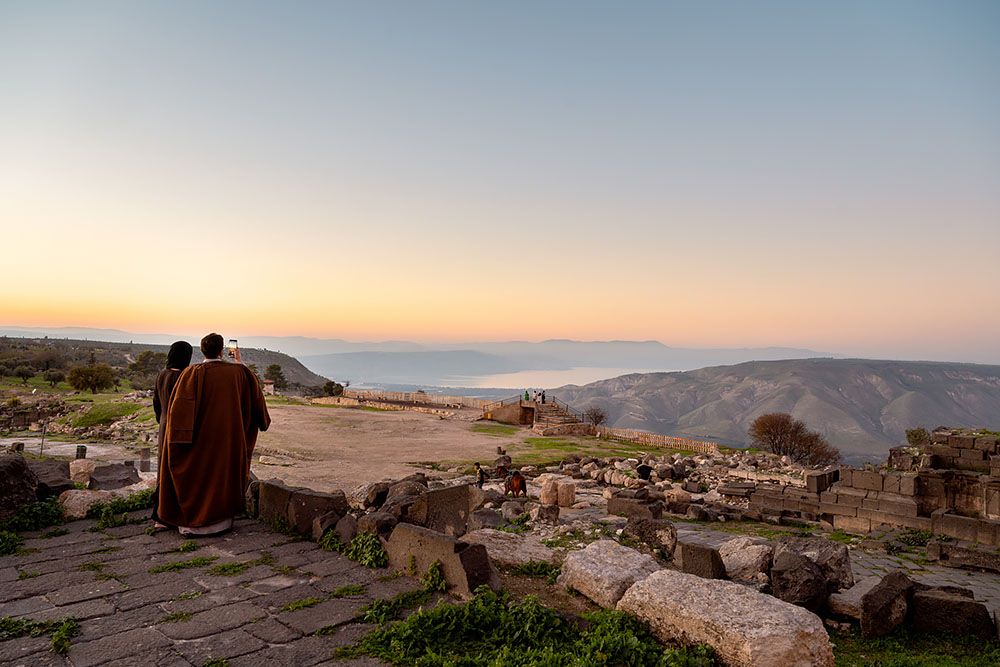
{"x": 595, "y": 415}
{"x": 782, "y": 434}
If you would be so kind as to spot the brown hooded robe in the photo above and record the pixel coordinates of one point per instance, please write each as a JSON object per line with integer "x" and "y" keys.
{"x": 214, "y": 414}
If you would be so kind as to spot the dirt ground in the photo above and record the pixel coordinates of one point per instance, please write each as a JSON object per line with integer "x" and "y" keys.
{"x": 339, "y": 448}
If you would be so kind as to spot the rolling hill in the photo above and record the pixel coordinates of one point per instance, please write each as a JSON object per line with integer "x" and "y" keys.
{"x": 862, "y": 406}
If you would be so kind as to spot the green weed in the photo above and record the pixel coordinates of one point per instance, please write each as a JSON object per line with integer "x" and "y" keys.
{"x": 348, "y": 591}
{"x": 367, "y": 550}
{"x": 304, "y": 603}
{"x": 200, "y": 561}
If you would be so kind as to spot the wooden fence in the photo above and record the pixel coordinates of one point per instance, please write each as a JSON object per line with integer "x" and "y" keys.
{"x": 657, "y": 440}
{"x": 417, "y": 397}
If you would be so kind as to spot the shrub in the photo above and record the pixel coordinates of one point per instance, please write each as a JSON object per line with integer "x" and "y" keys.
{"x": 595, "y": 415}
{"x": 918, "y": 437}
{"x": 367, "y": 550}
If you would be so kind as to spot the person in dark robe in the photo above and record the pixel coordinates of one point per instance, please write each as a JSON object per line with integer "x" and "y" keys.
{"x": 178, "y": 358}
{"x": 215, "y": 413}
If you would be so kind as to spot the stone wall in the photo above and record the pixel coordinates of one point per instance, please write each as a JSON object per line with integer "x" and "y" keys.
{"x": 961, "y": 450}
{"x": 955, "y": 503}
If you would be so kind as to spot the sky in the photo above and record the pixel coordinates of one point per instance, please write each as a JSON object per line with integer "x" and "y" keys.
{"x": 811, "y": 174}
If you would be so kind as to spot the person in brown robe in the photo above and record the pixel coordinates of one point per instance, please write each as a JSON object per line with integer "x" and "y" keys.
{"x": 214, "y": 415}
{"x": 178, "y": 358}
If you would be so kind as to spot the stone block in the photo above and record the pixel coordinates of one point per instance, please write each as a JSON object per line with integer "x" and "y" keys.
{"x": 17, "y": 484}
{"x": 953, "y": 525}
{"x": 744, "y": 628}
{"x": 852, "y": 524}
{"x": 884, "y": 607}
{"x": 444, "y": 510}
{"x": 658, "y": 534}
{"x": 846, "y": 476}
{"x": 112, "y": 476}
{"x": 944, "y": 451}
{"x": 868, "y": 480}
{"x": 962, "y": 441}
{"x": 890, "y": 482}
{"x": 465, "y": 566}
{"x": 53, "y": 477}
{"x": 81, "y": 469}
{"x": 869, "y": 503}
{"x": 377, "y": 523}
{"x": 829, "y": 497}
{"x": 898, "y": 505}
{"x": 746, "y": 559}
{"x": 604, "y": 570}
{"x": 700, "y": 560}
{"x": 346, "y": 528}
{"x": 973, "y": 455}
{"x": 547, "y": 514}
{"x": 847, "y": 604}
{"x": 843, "y": 510}
{"x": 832, "y": 558}
{"x": 273, "y": 499}
{"x": 818, "y": 481}
{"x": 567, "y": 494}
{"x": 484, "y": 518}
{"x": 323, "y": 523}
{"x": 907, "y": 484}
{"x": 549, "y": 494}
{"x": 630, "y": 507}
{"x": 304, "y": 505}
{"x": 987, "y": 444}
{"x": 937, "y": 611}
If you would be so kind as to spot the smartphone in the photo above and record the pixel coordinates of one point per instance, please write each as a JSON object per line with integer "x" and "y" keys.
{"x": 232, "y": 348}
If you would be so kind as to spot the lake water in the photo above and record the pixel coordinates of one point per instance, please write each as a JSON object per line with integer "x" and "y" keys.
{"x": 541, "y": 379}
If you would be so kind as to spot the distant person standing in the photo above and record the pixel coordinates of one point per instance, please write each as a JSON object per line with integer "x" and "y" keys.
{"x": 480, "y": 475}
{"x": 214, "y": 415}
{"x": 178, "y": 358}
{"x": 543, "y": 397}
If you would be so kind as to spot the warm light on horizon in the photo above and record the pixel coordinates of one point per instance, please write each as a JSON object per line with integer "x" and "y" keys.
{"x": 705, "y": 178}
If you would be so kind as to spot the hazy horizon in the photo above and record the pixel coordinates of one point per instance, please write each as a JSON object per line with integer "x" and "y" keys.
{"x": 710, "y": 175}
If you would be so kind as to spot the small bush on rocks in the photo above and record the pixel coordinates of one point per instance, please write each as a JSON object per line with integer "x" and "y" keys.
{"x": 35, "y": 516}
{"x": 367, "y": 550}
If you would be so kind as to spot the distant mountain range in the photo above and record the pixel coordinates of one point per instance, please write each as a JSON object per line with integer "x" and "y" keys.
{"x": 452, "y": 364}
{"x": 862, "y": 406}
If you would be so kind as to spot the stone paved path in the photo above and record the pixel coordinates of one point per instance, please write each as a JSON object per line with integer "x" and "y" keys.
{"x": 131, "y": 616}
{"x": 985, "y": 585}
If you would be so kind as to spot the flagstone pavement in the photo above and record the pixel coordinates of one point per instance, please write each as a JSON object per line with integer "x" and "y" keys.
{"x": 132, "y": 611}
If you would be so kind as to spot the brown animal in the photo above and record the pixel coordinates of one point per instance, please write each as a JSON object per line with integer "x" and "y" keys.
{"x": 516, "y": 485}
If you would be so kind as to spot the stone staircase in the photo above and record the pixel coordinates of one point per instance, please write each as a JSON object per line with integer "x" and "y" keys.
{"x": 550, "y": 414}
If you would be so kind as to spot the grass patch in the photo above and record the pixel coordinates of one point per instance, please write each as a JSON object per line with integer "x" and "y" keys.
{"x": 200, "y": 561}
{"x": 493, "y": 630}
{"x": 348, "y": 591}
{"x": 187, "y": 547}
{"x": 496, "y": 430}
{"x": 235, "y": 569}
{"x": 216, "y": 662}
{"x": 114, "y": 513}
{"x": 10, "y": 543}
{"x": 55, "y": 532}
{"x": 190, "y": 595}
{"x": 904, "y": 649}
{"x": 60, "y": 632}
{"x": 102, "y": 414}
{"x": 34, "y": 516}
{"x": 27, "y": 574}
{"x": 177, "y": 617}
{"x": 331, "y": 542}
{"x": 841, "y": 536}
{"x": 304, "y": 603}
{"x": 537, "y": 569}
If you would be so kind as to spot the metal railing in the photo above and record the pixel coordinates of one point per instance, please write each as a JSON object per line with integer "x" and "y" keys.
{"x": 507, "y": 401}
